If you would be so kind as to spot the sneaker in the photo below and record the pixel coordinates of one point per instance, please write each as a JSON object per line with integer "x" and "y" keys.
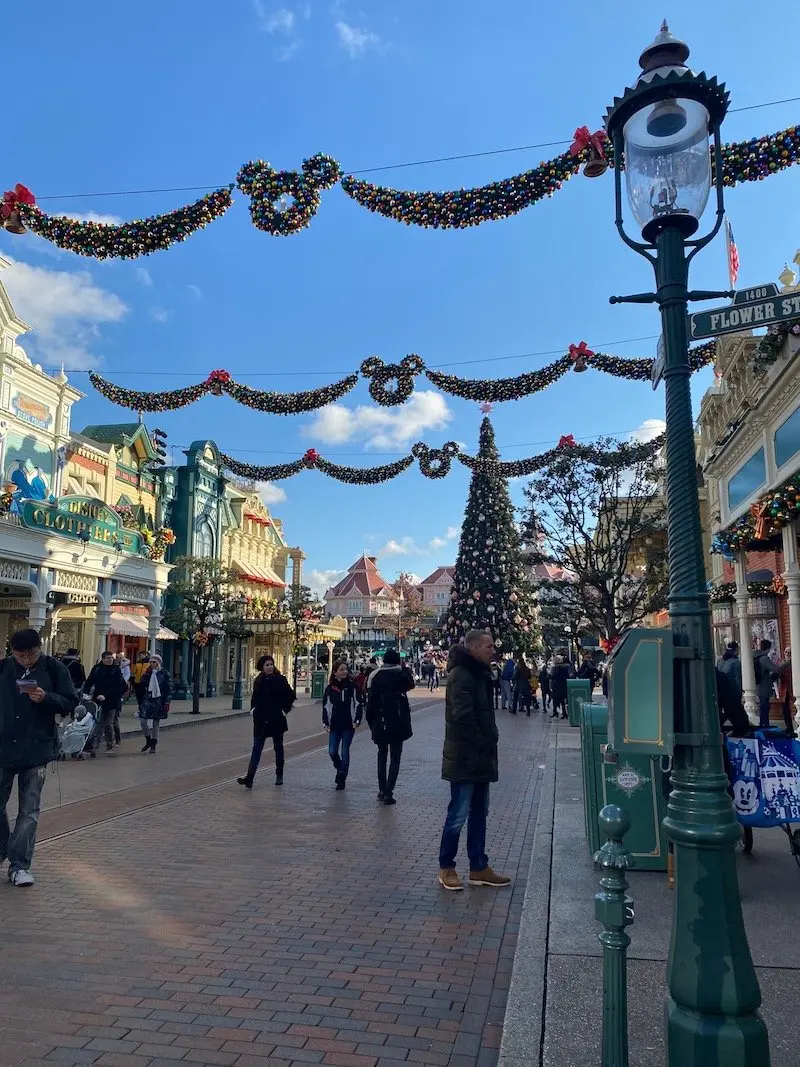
{"x": 488, "y": 877}
{"x": 246, "y": 782}
{"x": 20, "y": 878}
{"x": 448, "y": 879}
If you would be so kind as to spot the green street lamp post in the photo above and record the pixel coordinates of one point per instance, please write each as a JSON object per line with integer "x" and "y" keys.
{"x": 662, "y": 132}
{"x": 241, "y": 634}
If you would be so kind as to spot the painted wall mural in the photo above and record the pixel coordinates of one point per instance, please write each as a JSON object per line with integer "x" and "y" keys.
{"x": 27, "y": 469}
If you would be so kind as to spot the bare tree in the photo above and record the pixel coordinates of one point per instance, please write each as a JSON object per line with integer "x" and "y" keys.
{"x": 599, "y": 513}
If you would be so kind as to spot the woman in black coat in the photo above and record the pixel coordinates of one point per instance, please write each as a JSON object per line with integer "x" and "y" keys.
{"x": 389, "y": 719}
{"x": 270, "y": 702}
{"x": 107, "y": 686}
{"x": 561, "y": 672}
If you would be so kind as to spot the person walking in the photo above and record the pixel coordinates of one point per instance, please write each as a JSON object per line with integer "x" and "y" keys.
{"x": 561, "y": 672}
{"x": 522, "y": 686}
{"x": 730, "y": 665}
{"x": 341, "y": 717}
{"x": 506, "y": 677}
{"x": 589, "y": 671}
{"x": 137, "y": 673}
{"x": 72, "y": 661}
{"x": 766, "y": 672}
{"x": 34, "y": 688}
{"x": 389, "y": 719}
{"x": 469, "y": 761}
{"x": 154, "y": 706}
{"x": 495, "y": 672}
{"x": 107, "y": 687}
{"x": 544, "y": 685}
{"x": 270, "y": 703}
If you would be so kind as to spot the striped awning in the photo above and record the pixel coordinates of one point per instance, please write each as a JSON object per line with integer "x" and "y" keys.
{"x": 124, "y": 625}
{"x": 258, "y": 573}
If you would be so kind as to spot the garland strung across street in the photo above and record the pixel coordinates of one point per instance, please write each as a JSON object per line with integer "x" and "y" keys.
{"x": 283, "y": 202}
{"x": 436, "y": 462}
{"x": 391, "y": 384}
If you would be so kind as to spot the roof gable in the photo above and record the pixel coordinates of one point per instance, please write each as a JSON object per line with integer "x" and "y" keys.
{"x": 363, "y": 579}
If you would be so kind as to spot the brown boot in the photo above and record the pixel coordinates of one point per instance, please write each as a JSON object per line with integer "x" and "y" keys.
{"x": 448, "y": 879}
{"x": 488, "y": 877}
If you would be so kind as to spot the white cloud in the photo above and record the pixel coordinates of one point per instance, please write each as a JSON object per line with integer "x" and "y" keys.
{"x": 320, "y": 582}
{"x": 64, "y": 308}
{"x": 270, "y": 493}
{"x": 404, "y": 547}
{"x": 407, "y": 546}
{"x": 355, "y": 40}
{"x": 196, "y": 291}
{"x": 280, "y": 20}
{"x": 143, "y": 277}
{"x": 94, "y": 216}
{"x": 159, "y": 314}
{"x": 380, "y": 427}
{"x": 649, "y": 429}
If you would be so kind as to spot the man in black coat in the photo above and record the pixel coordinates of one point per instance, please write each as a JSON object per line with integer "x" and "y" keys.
{"x": 34, "y": 688}
{"x": 469, "y": 760}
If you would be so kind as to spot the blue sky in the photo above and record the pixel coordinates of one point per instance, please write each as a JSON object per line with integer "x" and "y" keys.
{"x": 116, "y": 97}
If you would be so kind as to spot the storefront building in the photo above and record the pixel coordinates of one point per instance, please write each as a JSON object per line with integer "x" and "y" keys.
{"x": 750, "y": 455}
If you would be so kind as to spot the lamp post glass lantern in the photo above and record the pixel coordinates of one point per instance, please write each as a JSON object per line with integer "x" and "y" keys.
{"x": 665, "y": 131}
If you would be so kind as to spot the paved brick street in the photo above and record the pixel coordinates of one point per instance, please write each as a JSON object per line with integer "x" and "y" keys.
{"x": 186, "y": 919}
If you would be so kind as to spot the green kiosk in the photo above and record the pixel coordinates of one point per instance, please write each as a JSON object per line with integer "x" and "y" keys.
{"x": 630, "y": 766}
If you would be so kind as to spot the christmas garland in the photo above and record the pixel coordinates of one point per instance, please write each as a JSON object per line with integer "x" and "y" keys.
{"x": 391, "y": 384}
{"x": 436, "y": 462}
{"x": 726, "y": 592}
{"x": 130, "y": 239}
{"x": 769, "y": 346}
{"x": 764, "y": 520}
{"x": 284, "y": 202}
{"x": 217, "y": 383}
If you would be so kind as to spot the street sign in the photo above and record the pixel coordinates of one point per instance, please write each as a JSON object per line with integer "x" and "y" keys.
{"x": 657, "y": 371}
{"x": 763, "y": 308}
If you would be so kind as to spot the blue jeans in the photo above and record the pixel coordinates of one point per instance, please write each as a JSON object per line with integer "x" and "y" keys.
{"x": 469, "y": 803}
{"x": 505, "y": 690}
{"x": 340, "y": 739}
{"x": 18, "y": 845}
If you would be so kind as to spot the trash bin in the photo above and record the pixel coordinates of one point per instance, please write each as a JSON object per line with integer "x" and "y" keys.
{"x": 578, "y": 693}
{"x": 594, "y": 735}
{"x": 634, "y": 782}
{"x": 317, "y": 684}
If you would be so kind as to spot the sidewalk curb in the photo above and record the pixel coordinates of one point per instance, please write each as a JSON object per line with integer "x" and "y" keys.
{"x": 198, "y": 720}
{"x": 523, "y": 1023}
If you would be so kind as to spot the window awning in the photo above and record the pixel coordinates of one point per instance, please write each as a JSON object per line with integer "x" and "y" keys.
{"x": 128, "y": 625}
{"x": 165, "y": 634}
{"x": 258, "y": 573}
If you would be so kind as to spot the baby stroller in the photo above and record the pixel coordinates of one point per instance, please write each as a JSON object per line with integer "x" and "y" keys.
{"x": 77, "y": 734}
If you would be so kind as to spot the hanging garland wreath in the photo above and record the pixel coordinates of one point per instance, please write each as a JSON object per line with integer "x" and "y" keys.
{"x": 129, "y": 240}
{"x": 769, "y": 347}
{"x": 380, "y": 375}
{"x": 726, "y": 592}
{"x": 766, "y": 518}
{"x": 284, "y": 202}
{"x": 436, "y": 462}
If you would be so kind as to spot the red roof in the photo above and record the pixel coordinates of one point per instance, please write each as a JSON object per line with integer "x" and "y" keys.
{"x": 363, "y": 579}
{"x": 553, "y": 572}
{"x": 440, "y": 572}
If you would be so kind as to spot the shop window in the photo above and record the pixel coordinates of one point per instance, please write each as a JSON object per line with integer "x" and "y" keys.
{"x": 205, "y": 540}
{"x": 787, "y": 439}
{"x": 747, "y": 480}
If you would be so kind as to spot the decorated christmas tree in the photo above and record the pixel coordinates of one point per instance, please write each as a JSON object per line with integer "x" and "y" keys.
{"x": 491, "y": 588}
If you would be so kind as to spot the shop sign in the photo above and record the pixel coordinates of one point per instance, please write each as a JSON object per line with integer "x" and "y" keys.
{"x": 14, "y": 603}
{"x": 75, "y": 516}
{"x": 34, "y": 412}
{"x": 73, "y": 599}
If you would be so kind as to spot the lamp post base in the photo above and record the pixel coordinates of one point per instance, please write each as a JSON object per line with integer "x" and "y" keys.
{"x": 703, "y": 1039}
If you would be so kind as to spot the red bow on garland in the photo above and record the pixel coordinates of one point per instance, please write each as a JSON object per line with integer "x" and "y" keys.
{"x": 583, "y": 139}
{"x": 219, "y": 376}
{"x": 310, "y": 457}
{"x": 760, "y": 514}
{"x": 20, "y": 194}
{"x": 566, "y": 441}
{"x": 579, "y": 351}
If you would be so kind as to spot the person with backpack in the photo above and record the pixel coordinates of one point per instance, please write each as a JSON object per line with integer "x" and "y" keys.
{"x": 34, "y": 688}
{"x": 341, "y": 717}
{"x": 389, "y": 719}
{"x": 72, "y": 661}
{"x": 766, "y": 672}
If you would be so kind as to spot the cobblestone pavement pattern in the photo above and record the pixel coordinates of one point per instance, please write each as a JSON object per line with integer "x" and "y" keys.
{"x": 279, "y": 926}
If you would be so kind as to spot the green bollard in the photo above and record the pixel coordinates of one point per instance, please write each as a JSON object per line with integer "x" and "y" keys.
{"x": 614, "y": 909}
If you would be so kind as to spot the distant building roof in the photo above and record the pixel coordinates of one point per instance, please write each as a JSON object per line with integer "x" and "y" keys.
{"x": 362, "y": 579}
{"x": 551, "y": 572}
{"x": 440, "y": 572}
{"x": 111, "y": 433}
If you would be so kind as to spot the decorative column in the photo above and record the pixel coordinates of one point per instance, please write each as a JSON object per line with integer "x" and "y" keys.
{"x": 745, "y": 640}
{"x": 330, "y": 645}
{"x": 791, "y": 577}
{"x": 37, "y": 615}
{"x": 153, "y": 626}
{"x": 102, "y": 626}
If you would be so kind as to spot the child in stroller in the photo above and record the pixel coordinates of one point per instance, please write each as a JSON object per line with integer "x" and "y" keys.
{"x": 77, "y": 734}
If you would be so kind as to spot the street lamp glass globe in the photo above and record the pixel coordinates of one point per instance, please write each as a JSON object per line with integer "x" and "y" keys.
{"x": 668, "y": 160}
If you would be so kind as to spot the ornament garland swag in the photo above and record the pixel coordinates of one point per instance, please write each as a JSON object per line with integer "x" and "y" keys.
{"x": 283, "y": 202}
{"x": 381, "y": 376}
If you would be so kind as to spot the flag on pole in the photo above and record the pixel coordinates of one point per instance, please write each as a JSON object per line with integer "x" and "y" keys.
{"x": 733, "y": 255}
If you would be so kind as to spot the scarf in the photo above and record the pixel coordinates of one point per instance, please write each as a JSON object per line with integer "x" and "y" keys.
{"x": 154, "y": 689}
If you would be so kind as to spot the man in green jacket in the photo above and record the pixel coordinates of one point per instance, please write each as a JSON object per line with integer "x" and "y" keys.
{"x": 469, "y": 760}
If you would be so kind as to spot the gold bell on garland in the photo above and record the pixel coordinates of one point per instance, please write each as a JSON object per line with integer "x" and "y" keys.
{"x": 596, "y": 165}
{"x": 14, "y": 223}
